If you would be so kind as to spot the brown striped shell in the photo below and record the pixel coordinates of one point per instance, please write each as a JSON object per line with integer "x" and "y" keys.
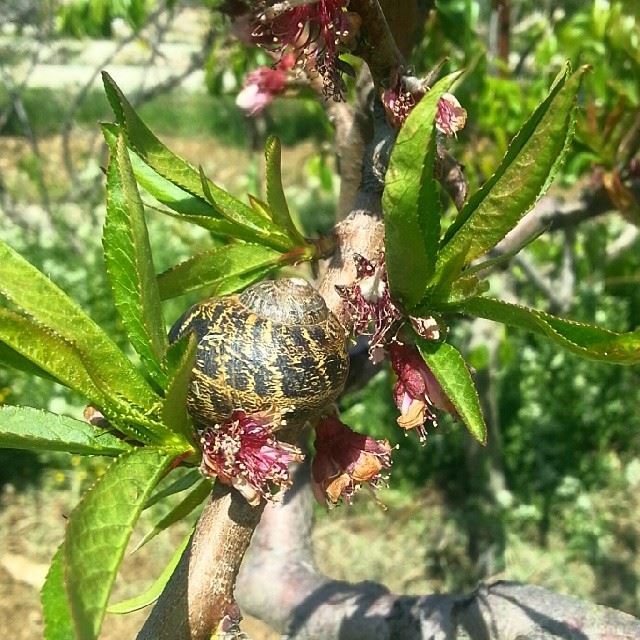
{"x": 274, "y": 345}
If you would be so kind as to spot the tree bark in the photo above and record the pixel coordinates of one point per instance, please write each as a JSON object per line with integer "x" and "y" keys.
{"x": 200, "y": 592}
{"x": 302, "y": 604}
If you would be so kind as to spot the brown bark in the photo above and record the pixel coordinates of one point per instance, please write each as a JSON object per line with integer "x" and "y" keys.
{"x": 200, "y": 591}
{"x": 302, "y": 604}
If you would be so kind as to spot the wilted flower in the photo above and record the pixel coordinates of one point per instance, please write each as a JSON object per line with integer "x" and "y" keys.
{"x": 399, "y": 101}
{"x": 403, "y": 96}
{"x": 314, "y": 32}
{"x": 417, "y": 393}
{"x": 263, "y": 84}
{"x": 451, "y": 116}
{"x": 368, "y": 302}
{"x": 243, "y": 453}
{"x": 344, "y": 460}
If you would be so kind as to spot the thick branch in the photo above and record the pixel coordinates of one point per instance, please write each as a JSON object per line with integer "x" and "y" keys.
{"x": 200, "y": 591}
{"x": 377, "y": 45}
{"x": 305, "y": 605}
{"x": 191, "y": 605}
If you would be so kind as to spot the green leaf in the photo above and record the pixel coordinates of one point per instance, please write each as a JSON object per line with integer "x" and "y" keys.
{"x": 235, "y": 211}
{"x": 275, "y": 192}
{"x": 58, "y": 624}
{"x": 524, "y": 174}
{"x": 411, "y": 201}
{"x": 260, "y": 207}
{"x": 441, "y": 284}
{"x": 224, "y": 269}
{"x": 181, "y": 484}
{"x": 28, "y": 428}
{"x": 174, "y": 406}
{"x": 167, "y": 164}
{"x": 130, "y": 265}
{"x": 191, "y": 501}
{"x": 147, "y": 146}
{"x": 583, "y": 339}
{"x": 451, "y": 372}
{"x": 99, "y": 529}
{"x": 67, "y": 365}
{"x": 11, "y": 358}
{"x": 160, "y": 188}
{"x": 38, "y": 297}
{"x": 49, "y": 352}
{"x": 150, "y": 595}
{"x": 183, "y": 205}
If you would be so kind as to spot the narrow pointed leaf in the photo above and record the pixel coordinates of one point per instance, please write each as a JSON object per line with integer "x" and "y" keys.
{"x": 524, "y": 174}
{"x": 58, "y": 624}
{"x": 191, "y": 501}
{"x": 11, "y": 358}
{"x": 28, "y": 428}
{"x": 64, "y": 362}
{"x": 275, "y": 192}
{"x": 243, "y": 215}
{"x": 99, "y": 529}
{"x": 38, "y": 297}
{"x": 583, "y": 339}
{"x": 130, "y": 265}
{"x": 49, "y": 352}
{"x": 260, "y": 207}
{"x": 449, "y": 271}
{"x": 159, "y": 187}
{"x": 174, "y": 405}
{"x": 224, "y": 269}
{"x": 451, "y": 371}
{"x": 150, "y": 595}
{"x": 181, "y": 484}
{"x": 147, "y": 146}
{"x": 184, "y": 175}
{"x": 182, "y": 205}
{"x": 411, "y": 201}
{"x": 460, "y": 291}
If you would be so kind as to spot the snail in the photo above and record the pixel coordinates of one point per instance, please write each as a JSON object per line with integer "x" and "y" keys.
{"x": 276, "y": 345}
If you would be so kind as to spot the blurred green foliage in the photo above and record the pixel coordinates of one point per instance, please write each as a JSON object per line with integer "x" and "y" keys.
{"x": 175, "y": 114}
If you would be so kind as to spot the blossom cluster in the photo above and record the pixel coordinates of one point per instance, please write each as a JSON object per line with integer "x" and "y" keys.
{"x": 308, "y": 36}
{"x": 311, "y": 36}
{"x": 243, "y": 452}
{"x": 371, "y": 311}
{"x": 400, "y": 99}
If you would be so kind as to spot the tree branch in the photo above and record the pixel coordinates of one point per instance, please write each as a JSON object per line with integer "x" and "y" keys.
{"x": 551, "y": 213}
{"x": 194, "y": 599}
{"x": 302, "y": 604}
{"x": 377, "y": 46}
{"x": 200, "y": 591}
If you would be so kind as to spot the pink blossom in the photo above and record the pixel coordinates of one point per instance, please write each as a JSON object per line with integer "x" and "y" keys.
{"x": 450, "y": 117}
{"x": 263, "y": 84}
{"x": 314, "y": 32}
{"x": 417, "y": 393}
{"x": 243, "y": 453}
{"x": 399, "y": 101}
{"x": 344, "y": 460}
{"x": 368, "y": 302}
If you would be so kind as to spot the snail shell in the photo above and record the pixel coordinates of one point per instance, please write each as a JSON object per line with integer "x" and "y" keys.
{"x": 274, "y": 345}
